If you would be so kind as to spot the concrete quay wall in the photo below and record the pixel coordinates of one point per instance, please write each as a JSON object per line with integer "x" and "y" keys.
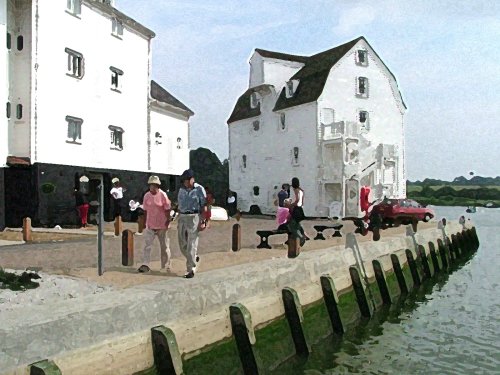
{"x": 110, "y": 333}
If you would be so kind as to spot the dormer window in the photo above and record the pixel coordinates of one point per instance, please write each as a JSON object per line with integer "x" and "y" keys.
{"x": 362, "y": 87}
{"x": 116, "y": 28}
{"x": 254, "y": 100}
{"x": 74, "y": 7}
{"x": 362, "y": 57}
{"x": 291, "y": 87}
{"x": 256, "y": 125}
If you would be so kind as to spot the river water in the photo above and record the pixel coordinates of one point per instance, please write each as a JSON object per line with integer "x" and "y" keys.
{"x": 449, "y": 327}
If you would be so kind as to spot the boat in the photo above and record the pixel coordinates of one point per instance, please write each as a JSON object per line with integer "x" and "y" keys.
{"x": 471, "y": 209}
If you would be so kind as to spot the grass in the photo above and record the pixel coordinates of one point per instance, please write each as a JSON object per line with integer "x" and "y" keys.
{"x": 417, "y": 188}
{"x": 13, "y": 281}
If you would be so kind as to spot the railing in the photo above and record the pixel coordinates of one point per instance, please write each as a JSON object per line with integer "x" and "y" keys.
{"x": 336, "y": 130}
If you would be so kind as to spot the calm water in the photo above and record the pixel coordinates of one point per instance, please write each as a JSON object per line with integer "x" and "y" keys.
{"x": 450, "y": 327}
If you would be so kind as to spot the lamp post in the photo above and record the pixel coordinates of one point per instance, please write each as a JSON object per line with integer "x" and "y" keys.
{"x": 100, "y": 226}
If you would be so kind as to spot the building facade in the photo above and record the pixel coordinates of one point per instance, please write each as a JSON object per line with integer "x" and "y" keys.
{"x": 335, "y": 120}
{"x": 79, "y": 101}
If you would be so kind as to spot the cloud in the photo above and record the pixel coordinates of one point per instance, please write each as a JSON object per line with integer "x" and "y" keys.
{"x": 352, "y": 19}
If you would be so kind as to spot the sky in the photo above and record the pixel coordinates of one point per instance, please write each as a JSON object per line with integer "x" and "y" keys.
{"x": 445, "y": 55}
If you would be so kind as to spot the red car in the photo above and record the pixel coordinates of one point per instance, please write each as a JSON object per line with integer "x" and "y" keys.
{"x": 390, "y": 209}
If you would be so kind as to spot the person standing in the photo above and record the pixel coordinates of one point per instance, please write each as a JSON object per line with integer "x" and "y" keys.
{"x": 192, "y": 218}
{"x": 283, "y": 194}
{"x": 117, "y": 194}
{"x": 297, "y": 212}
{"x": 156, "y": 206}
{"x": 82, "y": 204}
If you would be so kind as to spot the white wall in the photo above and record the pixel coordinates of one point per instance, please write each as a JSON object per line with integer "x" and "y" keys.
{"x": 4, "y": 131}
{"x": 90, "y": 98}
{"x": 271, "y": 71}
{"x": 166, "y": 157}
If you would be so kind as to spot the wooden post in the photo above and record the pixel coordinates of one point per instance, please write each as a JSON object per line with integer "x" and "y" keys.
{"x": 243, "y": 332}
{"x": 331, "y": 301}
{"x": 359, "y": 291}
{"x": 236, "y": 238}
{"x": 27, "y": 230}
{"x": 442, "y": 253}
{"x": 165, "y": 351}
{"x": 382, "y": 282}
{"x": 118, "y": 225}
{"x": 413, "y": 268}
{"x": 403, "y": 288}
{"x": 434, "y": 258}
{"x": 127, "y": 248}
{"x": 140, "y": 224}
{"x": 293, "y": 313}
{"x": 44, "y": 367}
{"x": 293, "y": 247}
{"x": 423, "y": 259}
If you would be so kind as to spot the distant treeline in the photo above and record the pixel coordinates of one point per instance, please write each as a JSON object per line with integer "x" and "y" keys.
{"x": 459, "y": 181}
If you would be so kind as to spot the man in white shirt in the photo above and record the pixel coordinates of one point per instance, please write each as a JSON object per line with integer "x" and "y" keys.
{"x": 117, "y": 194}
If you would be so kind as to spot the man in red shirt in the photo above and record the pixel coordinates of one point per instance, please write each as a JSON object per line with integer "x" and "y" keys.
{"x": 156, "y": 206}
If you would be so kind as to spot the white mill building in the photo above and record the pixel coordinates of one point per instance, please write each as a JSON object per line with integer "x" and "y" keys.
{"x": 335, "y": 120}
{"x": 78, "y": 99}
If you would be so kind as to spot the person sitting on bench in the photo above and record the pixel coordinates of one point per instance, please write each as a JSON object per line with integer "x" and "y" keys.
{"x": 283, "y": 214}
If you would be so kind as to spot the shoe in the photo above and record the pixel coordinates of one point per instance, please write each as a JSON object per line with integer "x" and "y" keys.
{"x": 143, "y": 269}
{"x": 189, "y": 275}
{"x": 197, "y": 259}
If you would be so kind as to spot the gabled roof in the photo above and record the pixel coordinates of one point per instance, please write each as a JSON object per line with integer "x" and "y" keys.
{"x": 312, "y": 78}
{"x": 242, "y": 108}
{"x": 162, "y": 95}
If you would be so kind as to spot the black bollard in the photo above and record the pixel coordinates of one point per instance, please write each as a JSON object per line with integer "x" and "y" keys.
{"x": 166, "y": 353}
{"x": 293, "y": 313}
{"x": 359, "y": 291}
{"x": 403, "y": 288}
{"x": 382, "y": 282}
{"x": 241, "y": 324}
{"x": 442, "y": 254}
{"x": 127, "y": 248}
{"x": 331, "y": 301}
{"x": 425, "y": 263}
{"x": 236, "y": 238}
{"x": 434, "y": 258}
{"x": 413, "y": 268}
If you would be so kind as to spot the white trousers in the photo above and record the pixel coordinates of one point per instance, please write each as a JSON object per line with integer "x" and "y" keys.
{"x": 149, "y": 237}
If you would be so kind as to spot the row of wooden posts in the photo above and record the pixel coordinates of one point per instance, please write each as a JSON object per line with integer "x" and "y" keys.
{"x": 168, "y": 359}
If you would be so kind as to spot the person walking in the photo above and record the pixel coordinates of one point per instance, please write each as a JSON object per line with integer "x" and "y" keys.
{"x": 82, "y": 204}
{"x": 156, "y": 206}
{"x": 297, "y": 212}
{"x": 191, "y": 202}
{"x": 117, "y": 194}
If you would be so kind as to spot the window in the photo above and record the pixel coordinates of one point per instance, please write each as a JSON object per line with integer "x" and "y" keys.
{"x": 75, "y": 63}
{"x": 115, "y": 78}
{"x": 282, "y": 121}
{"x": 19, "y": 111}
{"x": 254, "y": 100}
{"x": 364, "y": 120}
{"x": 295, "y": 156}
{"x": 179, "y": 143}
{"x": 74, "y": 7}
{"x": 362, "y": 87}
{"x": 256, "y": 125}
{"x": 244, "y": 160}
{"x": 116, "y": 137}
{"x": 362, "y": 57}
{"x": 20, "y": 43}
{"x": 74, "y": 129}
{"x": 289, "y": 89}
{"x": 9, "y": 41}
{"x": 116, "y": 28}
{"x": 256, "y": 190}
{"x": 7, "y": 109}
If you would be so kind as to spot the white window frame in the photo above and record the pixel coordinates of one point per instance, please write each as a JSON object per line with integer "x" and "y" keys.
{"x": 76, "y": 64}
{"x": 117, "y": 28}
{"x": 254, "y": 100}
{"x": 74, "y": 130}
{"x": 366, "y": 124}
{"x": 358, "y": 60}
{"x": 359, "y": 92}
{"x": 74, "y": 7}
{"x": 116, "y": 142}
{"x": 116, "y": 82}
{"x": 282, "y": 122}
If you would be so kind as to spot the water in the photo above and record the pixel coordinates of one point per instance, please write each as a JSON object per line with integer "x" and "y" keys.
{"x": 451, "y": 327}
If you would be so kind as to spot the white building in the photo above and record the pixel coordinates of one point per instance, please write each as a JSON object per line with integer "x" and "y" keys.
{"x": 335, "y": 120}
{"x": 79, "y": 100}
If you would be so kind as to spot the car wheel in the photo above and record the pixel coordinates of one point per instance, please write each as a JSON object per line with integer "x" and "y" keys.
{"x": 427, "y": 217}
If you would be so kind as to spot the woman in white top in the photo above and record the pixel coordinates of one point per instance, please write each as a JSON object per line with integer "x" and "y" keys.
{"x": 117, "y": 194}
{"x": 298, "y": 212}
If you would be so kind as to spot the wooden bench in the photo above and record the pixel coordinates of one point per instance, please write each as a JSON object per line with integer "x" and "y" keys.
{"x": 320, "y": 228}
{"x": 264, "y": 237}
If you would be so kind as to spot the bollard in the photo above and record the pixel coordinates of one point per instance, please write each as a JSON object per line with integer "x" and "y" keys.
{"x": 331, "y": 301}
{"x": 359, "y": 291}
{"x": 293, "y": 247}
{"x": 455, "y": 247}
{"x": 293, "y": 313}
{"x": 167, "y": 357}
{"x": 462, "y": 243}
{"x": 118, "y": 225}
{"x": 442, "y": 253}
{"x": 27, "y": 230}
{"x": 127, "y": 248}
{"x": 413, "y": 268}
{"x": 403, "y": 288}
{"x": 450, "y": 251}
{"x": 140, "y": 224}
{"x": 44, "y": 367}
{"x": 476, "y": 238}
{"x": 236, "y": 238}
{"x": 434, "y": 258}
{"x": 241, "y": 325}
{"x": 382, "y": 282}
{"x": 425, "y": 263}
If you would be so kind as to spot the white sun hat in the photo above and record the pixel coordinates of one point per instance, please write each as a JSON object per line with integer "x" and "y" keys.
{"x": 154, "y": 180}
{"x": 115, "y": 180}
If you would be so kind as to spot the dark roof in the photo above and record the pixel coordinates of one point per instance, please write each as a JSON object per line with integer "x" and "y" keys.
{"x": 162, "y": 95}
{"x": 281, "y": 56}
{"x": 312, "y": 78}
{"x": 242, "y": 108}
